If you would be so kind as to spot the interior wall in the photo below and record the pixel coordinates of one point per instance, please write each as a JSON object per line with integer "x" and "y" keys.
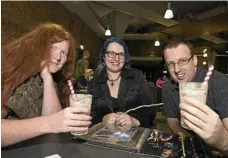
{"x": 144, "y": 48}
{"x": 20, "y": 16}
{"x": 221, "y": 64}
{"x": 147, "y": 48}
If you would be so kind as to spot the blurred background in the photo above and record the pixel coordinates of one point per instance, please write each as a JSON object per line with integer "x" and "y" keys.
{"x": 139, "y": 24}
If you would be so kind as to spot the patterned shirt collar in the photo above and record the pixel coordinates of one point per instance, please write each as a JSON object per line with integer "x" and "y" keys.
{"x": 199, "y": 77}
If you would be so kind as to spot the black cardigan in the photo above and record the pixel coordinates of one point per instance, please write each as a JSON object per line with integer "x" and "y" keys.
{"x": 133, "y": 92}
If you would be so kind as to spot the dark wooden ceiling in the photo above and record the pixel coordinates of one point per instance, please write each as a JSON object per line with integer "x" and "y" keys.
{"x": 204, "y": 23}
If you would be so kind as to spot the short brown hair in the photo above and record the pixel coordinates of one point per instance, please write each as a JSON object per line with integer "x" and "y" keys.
{"x": 89, "y": 71}
{"x": 86, "y": 53}
{"x": 176, "y": 43}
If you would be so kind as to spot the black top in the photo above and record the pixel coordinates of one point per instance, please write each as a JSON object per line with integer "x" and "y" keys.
{"x": 133, "y": 92}
{"x": 116, "y": 103}
{"x": 217, "y": 97}
{"x": 81, "y": 82}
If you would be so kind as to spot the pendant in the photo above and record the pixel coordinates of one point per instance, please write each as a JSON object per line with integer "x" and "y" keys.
{"x": 112, "y": 83}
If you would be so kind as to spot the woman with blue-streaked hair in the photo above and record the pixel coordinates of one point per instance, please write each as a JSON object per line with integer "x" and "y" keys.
{"x": 117, "y": 88}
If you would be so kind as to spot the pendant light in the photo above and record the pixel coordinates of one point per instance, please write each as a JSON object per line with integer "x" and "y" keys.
{"x": 168, "y": 12}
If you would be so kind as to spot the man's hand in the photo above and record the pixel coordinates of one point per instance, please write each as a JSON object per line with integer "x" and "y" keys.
{"x": 204, "y": 122}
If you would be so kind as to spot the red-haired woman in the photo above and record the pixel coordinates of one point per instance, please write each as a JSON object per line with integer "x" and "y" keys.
{"x": 30, "y": 104}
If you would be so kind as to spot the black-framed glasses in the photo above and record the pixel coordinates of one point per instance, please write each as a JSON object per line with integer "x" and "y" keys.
{"x": 181, "y": 62}
{"x": 112, "y": 54}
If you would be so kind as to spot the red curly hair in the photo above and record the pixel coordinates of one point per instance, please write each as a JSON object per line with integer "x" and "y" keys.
{"x": 22, "y": 57}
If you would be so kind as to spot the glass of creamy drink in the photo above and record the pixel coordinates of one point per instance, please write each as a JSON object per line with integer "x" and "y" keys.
{"x": 82, "y": 100}
{"x": 196, "y": 90}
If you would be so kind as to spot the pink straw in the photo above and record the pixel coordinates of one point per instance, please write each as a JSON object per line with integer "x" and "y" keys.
{"x": 71, "y": 87}
{"x": 209, "y": 72}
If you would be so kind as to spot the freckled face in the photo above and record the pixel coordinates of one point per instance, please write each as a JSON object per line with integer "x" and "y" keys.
{"x": 59, "y": 53}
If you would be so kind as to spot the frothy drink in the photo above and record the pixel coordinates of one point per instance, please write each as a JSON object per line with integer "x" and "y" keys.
{"x": 196, "y": 90}
{"x": 82, "y": 100}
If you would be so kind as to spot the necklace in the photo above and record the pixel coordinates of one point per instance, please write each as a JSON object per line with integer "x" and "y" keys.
{"x": 112, "y": 81}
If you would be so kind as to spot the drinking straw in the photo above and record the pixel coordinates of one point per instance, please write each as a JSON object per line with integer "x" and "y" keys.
{"x": 208, "y": 75}
{"x": 142, "y": 106}
{"x": 71, "y": 87}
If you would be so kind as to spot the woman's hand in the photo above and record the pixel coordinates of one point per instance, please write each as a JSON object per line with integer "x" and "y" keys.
{"x": 70, "y": 119}
{"x": 45, "y": 73}
{"x": 117, "y": 128}
{"x": 126, "y": 120}
{"x": 109, "y": 118}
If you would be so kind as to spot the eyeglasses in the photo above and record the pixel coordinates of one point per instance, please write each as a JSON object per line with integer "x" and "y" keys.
{"x": 112, "y": 54}
{"x": 181, "y": 62}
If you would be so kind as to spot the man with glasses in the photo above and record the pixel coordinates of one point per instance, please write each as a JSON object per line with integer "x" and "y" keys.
{"x": 210, "y": 122}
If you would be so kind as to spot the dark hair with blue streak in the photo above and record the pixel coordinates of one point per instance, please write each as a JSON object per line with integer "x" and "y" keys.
{"x": 103, "y": 51}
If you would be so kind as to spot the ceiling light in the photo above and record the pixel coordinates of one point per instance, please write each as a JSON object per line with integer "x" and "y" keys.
{"x": 204, "y": 63}
{"x": 81, "y": 47}
{"x": 205, "y": 55}
{"x": 204, "y": 50}
{"x": 168, "y": 12}
{"x": 157, "y": 43}
{"x": 108, "y": 32}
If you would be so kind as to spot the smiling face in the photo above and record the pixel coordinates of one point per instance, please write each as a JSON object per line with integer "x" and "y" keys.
{"x": 179, "y": 54}
{"x": 114, "y": 64}
{"x": 59, "y": 53}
